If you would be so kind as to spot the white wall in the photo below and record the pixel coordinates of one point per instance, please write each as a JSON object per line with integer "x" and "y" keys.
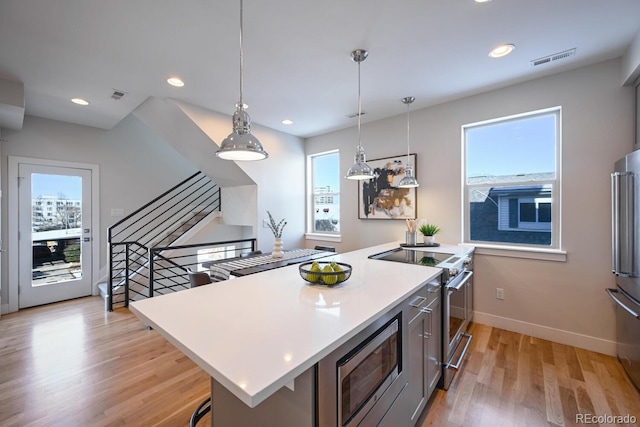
{"x": 135, "y": 166}
{"x": 280, "y": 180}
{"x": 563, "y": 301}
{"x": 631, "y": 62}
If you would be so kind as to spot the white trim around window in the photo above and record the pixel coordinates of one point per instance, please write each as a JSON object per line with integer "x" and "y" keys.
{"x": 498, "y": 190}
{"x": 322, "y": 196}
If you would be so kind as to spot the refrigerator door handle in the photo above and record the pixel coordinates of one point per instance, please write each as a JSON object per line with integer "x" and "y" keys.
{"x": 612, "y": 293}
{"x": 622, "y": 201}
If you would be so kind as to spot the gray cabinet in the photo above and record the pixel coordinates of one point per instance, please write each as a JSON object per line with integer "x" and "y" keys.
{"x": 433, "y": 335}
{"x": 424, "y": 346}
{"x": 417, "y": 354}
{"x": 637, "y": 146}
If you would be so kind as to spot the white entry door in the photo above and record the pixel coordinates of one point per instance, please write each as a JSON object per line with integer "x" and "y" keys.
{"x": 54, "y": 234}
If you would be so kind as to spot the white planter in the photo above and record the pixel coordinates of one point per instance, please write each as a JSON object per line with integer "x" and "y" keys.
{"x": 429, "y": 240}
{"x": 277, "y": 248}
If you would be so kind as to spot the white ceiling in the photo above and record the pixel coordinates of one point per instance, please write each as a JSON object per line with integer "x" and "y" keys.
{"x": 297, "y": 61}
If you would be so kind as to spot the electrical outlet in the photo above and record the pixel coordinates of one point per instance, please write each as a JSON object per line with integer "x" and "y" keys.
{"x": 499, "y": 293}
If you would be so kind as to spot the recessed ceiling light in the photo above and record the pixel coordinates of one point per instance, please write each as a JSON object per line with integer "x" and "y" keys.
{"x": 287, "y": 122}
{"x": 483, "y": 1}
{"x": 502, "y": 50}
{"x": 80, "y": 101}
{"x": 174, "y": 81}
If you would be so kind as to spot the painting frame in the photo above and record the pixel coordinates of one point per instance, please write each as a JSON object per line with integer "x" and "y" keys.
{"x": 380, "y": 197}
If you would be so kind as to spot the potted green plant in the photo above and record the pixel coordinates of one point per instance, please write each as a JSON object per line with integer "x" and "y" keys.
{"x": 429, "y": 231}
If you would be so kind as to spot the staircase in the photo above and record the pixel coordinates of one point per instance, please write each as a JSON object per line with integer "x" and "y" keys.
{"x": 162, "y": 222}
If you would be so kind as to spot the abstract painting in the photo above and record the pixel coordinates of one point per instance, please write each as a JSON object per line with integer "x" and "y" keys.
{"x": 380, "y": 197}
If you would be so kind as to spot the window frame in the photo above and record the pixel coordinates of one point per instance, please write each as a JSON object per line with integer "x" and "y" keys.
{"x": 309, "y": 205}
{"x": 521, "y": 250}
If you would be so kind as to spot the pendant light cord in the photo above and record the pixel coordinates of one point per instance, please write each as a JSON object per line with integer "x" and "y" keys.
{"x": 408, "y": 139}
{"x": 359, "y": 107}
{"x": 241, "y": 56}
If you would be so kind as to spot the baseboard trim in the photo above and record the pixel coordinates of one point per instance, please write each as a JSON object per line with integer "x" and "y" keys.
{"x": 544, "y": 332}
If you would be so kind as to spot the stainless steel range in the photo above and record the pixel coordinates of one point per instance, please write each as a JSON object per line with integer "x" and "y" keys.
{"x": 457, "y": 313}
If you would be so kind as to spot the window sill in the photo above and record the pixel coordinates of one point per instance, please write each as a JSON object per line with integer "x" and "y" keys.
{"x": 323, "y": 237}
{"x": 521, "y": 252}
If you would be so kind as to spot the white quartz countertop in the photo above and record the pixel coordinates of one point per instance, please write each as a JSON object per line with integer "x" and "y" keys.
{"x": 257, "y": 333}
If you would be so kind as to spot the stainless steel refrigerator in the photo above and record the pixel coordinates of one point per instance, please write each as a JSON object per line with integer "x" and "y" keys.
{"x": 625, "y": 198}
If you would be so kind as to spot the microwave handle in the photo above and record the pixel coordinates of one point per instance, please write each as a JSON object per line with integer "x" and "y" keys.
{"x": 622, "y": 215}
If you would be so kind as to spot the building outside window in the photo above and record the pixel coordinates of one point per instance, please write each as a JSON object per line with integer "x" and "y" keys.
{"x": 511, "y": 179}
{"x": 323, "y": 190}
{"x": 60, "y": 213}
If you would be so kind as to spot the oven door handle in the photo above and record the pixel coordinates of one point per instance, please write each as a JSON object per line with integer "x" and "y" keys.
{"x": 456, "y": 366}
{"x": 611, "y": 293}
{"x": 467, "y": 275}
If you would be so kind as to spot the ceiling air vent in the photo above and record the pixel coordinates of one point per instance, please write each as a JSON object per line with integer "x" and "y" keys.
{"x": 117, "y": 95}
{"x": 354, "y": 115}
{"x": 552, "y": 58}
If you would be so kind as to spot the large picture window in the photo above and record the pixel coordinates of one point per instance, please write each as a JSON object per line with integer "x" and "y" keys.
{"x": 323, "y": 189}
{"x": 511, "y": 180}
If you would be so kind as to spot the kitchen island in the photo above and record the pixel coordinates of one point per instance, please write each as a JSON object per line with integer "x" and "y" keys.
{"x": 256, "y": 334}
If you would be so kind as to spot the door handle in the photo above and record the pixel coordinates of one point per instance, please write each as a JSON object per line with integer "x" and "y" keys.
{"x": 622, "y": 202}
{"x": 417, "y": 301}
{"x": 428, "y": 311}
{"x": 463, "y": 281}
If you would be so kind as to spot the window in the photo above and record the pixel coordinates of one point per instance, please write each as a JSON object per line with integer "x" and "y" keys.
{"x": 323, "y": 189}
{"x": 215, "y": 253}
{"x": 511, "y": 180}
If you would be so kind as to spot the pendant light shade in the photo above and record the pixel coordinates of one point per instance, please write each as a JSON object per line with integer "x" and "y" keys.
{"x": 360, "y": 168}
{"x": 241, "y": 144}
{"x": 409, "y": 180}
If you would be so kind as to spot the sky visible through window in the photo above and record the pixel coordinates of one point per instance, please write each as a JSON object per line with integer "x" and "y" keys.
{"x": 326, "y": 172}
{"x": 56, "y": 185}
{"x": 520, "y": 146}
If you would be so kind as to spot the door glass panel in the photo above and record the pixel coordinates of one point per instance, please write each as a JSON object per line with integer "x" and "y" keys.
{"x": 56, "y": 228}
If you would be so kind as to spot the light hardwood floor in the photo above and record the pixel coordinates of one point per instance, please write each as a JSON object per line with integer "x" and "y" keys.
{"x": 516, "y": 380}
{"x": 73, "y": 364}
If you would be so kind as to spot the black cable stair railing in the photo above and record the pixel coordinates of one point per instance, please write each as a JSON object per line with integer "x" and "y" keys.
{"x": 158, "y": 223}
{"x": 167, "y": 273}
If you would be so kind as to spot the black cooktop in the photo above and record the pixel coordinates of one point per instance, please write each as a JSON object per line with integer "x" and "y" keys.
{"x": 409, "y": 256}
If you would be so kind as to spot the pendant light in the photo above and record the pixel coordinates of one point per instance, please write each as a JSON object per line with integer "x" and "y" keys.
{"x": 408, "y": 181}
{"x": 360, "y": 168}
{"x": 241, "y": 144}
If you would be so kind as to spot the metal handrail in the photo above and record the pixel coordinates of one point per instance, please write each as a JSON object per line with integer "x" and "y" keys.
{"x": 155, "y": 200}
{"x": 129, "y": 239}
{"x": 177, "y": 203}
{"x": 153, "y": 255}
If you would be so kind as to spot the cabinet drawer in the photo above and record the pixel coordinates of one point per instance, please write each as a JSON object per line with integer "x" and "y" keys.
{"x": 424, "y": 297}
